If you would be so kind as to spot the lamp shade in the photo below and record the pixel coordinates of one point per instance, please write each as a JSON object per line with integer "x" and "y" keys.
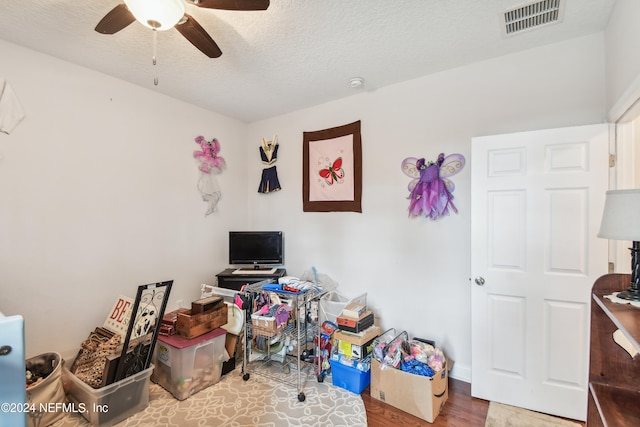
{"x": 157, "y": 14}
{"x": 621, "y": 216}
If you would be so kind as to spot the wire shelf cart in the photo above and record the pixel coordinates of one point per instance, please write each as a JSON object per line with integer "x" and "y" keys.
{"x": 282, "y": 353}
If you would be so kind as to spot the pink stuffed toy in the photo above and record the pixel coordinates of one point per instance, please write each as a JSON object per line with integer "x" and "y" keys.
{"x": 210, "y": 165}
{"x": 208, "y": 157}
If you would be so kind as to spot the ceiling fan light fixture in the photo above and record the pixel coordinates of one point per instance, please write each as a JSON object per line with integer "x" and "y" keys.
{"x": 158, "y": 15}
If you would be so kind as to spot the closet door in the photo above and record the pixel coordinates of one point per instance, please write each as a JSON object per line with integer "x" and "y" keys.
{"x": 537, "y": 200}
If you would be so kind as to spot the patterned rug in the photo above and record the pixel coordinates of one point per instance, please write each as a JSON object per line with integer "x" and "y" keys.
{"x": 501, "y": 415}
{"x": 258, "y": 402}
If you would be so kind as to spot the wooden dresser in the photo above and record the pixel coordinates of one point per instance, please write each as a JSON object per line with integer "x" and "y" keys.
{"x": 614, "y": 377}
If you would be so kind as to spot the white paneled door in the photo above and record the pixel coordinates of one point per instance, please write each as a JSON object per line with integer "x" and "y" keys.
{"x": 537, "y": 200}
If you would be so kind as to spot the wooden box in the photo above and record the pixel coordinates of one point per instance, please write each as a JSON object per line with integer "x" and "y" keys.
{"x": 206, "y": 304}
{"x": 190, "y": 325}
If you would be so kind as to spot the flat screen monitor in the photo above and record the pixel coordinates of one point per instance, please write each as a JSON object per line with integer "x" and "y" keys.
{"x": 256, "y": 248}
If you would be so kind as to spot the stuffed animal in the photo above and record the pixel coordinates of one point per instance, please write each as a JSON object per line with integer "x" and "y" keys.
{"x": 210, "y": 165}
{"x": 208, "y": 157}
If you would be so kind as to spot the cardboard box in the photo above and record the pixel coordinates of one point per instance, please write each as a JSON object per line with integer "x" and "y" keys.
{"x": 265, "y": 325}
{"x": 420, "y": 396}
{"x": 355, "y": 346}
{"x": 358, "y": 338}
{"x": 354, "y": 351}
{"x": 233, "y": 345}
{"x": 354, "y": 310}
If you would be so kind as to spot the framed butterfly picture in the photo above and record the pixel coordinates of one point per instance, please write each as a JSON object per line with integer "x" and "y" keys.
{"x": 332, "y": 169}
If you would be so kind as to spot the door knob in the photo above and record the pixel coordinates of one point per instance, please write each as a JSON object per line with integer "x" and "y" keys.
{"x": 479, "y": 281}
{"x": 4, "y": 350}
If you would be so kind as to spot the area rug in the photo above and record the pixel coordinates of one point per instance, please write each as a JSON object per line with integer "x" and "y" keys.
{"x": 258, "y": 402}
{"x": 501, "y": 415}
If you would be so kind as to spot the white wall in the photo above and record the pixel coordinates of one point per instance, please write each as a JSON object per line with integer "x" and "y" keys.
{"x": 622, "y": 57}
{"x": 98, "y": 195}
{"x": 416, "y": 271}
{"x": 98, "y": 189}
{"x": 623, "y": 91}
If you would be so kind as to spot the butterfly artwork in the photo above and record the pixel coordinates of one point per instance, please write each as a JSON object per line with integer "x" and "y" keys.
{"x": 431, "y": 190}
{"x": 333, "y": 173}
{"x": 332, "y": 169}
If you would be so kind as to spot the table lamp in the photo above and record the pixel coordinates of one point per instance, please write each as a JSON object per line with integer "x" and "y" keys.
{"x": 621, "y": 221}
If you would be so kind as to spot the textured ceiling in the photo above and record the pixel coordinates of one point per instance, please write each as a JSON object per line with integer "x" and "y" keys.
{"x": 296, "y": 54}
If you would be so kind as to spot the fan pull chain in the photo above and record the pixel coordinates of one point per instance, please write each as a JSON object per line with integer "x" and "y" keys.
{"x": 155, "y": 52}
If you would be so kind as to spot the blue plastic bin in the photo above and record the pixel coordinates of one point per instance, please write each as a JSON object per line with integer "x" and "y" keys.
{"x": 349, "y": 378}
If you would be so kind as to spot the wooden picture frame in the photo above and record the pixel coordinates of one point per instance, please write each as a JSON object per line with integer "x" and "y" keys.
{"x": 332, "y": 169}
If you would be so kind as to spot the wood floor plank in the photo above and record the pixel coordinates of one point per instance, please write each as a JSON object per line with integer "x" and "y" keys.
{"x": 461, "y": 410}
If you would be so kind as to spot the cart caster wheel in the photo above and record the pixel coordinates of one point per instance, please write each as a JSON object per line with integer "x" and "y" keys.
{"x": 286, "y": 369}
{"x": 320, "y": 378}
{"x": 301, "y": 397}
{"x": 245, "y": 377}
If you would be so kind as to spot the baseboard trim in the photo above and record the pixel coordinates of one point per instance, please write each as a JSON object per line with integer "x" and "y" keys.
{"x": 461, "y": 372}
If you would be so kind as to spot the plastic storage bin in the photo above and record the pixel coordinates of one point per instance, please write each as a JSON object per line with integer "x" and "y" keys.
{"x": 349, "y": 378}
{"x": 184, "y": 367}
{"x": 111, "y": 404}
{"x": 381, "y": 343}
{"x": 332, "y": 304}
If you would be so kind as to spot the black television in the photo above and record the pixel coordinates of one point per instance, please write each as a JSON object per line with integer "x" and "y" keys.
{"x": 256, "y": 249}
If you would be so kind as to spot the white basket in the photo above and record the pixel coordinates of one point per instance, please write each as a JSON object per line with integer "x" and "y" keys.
{"x": 332, "y": 304}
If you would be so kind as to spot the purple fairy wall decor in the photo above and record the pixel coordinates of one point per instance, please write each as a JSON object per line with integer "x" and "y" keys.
{"x": 430, "y": 191}
{"x": 209, "y": 164}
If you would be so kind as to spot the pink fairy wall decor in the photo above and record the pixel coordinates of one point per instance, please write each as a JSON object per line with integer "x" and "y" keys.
{"x": 430, "y": 190}
{"x": 209, "y": 164}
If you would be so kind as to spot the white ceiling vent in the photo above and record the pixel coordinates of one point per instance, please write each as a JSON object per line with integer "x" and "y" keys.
{"x": 532, "y": 15}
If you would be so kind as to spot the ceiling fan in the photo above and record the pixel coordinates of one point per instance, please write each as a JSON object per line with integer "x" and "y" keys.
{"x": 162, "y": 15}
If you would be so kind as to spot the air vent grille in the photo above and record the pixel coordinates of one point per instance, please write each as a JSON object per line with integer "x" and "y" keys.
{"x": 531, "y": 16}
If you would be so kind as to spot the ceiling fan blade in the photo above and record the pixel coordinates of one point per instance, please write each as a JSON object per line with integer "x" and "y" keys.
{"x": 198, "y": 37}
{"x": 116, "y": 20}
{"x": 232, "y": 4}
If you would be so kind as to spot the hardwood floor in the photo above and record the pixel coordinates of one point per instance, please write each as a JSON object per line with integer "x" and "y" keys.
{"x": 461, "y": 410}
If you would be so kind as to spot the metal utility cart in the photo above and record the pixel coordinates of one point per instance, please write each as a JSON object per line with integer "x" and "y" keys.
{"x": 280, "y": 353}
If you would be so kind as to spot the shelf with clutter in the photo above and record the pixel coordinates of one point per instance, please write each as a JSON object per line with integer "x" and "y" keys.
{"x": 280, "y": 329}
{"x": 409, "y": 374}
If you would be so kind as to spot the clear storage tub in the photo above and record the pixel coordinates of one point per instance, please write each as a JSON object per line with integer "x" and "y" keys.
{"x": 106, "y": 406}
